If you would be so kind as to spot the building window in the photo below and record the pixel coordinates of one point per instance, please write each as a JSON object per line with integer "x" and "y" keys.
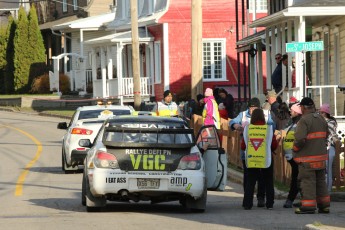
{"x": 75, "y": 4}
{"x": 64, "y": 5}
{"x": 213, "y": 60}
{"x": 260, "y": 6}
{"x": 158, "y": 65}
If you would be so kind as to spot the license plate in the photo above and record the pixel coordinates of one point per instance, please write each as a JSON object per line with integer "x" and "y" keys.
{"x": 148, "y": 183}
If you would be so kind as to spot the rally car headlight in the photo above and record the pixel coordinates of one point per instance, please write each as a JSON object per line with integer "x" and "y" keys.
{"x": 190, "y": 162}
{"x": 105, "y": 160}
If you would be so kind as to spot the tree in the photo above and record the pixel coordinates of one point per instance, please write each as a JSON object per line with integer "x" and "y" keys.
{"x": 21, "y": 55}
{"x": 9, "y": 70}
{"x": 2, "y": 58}
{"x": 37, "y": 50}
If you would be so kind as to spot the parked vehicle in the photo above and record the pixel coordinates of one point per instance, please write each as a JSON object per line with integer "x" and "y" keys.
{"x": 85, "y": 123}
{"x": 151, "y": 158}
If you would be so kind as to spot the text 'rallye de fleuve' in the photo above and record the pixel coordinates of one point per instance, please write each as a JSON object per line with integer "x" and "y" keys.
{"x": 148, "y": 158}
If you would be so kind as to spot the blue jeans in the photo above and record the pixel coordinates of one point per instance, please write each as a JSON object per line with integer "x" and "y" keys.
{"x": 329, "y": 163}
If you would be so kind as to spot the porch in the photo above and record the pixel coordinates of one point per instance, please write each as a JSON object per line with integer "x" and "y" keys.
{"x": 116, "y": 88}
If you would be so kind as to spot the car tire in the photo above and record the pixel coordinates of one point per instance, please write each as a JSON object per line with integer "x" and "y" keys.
{"x": 93, "y": 204}
{"x": 197, "y": 205}
{"x": 83, "y": 190}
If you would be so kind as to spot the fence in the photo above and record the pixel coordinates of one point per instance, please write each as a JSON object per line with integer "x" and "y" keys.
{"x": 282, "y": 170}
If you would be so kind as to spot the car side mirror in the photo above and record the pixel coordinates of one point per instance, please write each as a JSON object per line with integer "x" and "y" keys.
{"x": 85, "y": 143}
{"x": 62, "y": 125}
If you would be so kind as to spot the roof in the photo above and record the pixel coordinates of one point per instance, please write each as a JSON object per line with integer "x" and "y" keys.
{"x": 125, "y": 24}
{"x": 125, "y": 37}
{"x": 89, "y": 22}
{"x": 49, "y": 25}
{"x": 311, "y": 9}
{"x": 252, "y": 38}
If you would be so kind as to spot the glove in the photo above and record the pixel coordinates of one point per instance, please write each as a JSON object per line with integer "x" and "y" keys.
{"x": 288, "y": 156}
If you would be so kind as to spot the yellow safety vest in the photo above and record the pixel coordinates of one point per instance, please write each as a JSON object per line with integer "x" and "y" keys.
{"x": 167, "y": 110}
{"x": 289, "y": 139}
{"x": 258, "y": 139}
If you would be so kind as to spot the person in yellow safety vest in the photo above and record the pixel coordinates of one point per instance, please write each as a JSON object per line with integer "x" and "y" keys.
{"x": 310, "y": 153}
{"x": 210, "y": 114}
{"x": 296, "y": 115}
{"x": 258, "y": 142}
{"x": 167, "y": 108}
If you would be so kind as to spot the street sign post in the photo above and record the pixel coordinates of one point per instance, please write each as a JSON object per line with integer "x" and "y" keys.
{"x": 304, "y": 46}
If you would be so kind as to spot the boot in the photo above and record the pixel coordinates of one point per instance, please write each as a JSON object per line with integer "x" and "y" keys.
{"x": 324, "y": 210}
{"x": 261, "y": 202}
{"x": 288, "y": 204}
{"x": 304, "y": 211}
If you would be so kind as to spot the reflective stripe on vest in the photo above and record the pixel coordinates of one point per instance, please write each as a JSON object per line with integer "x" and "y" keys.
{"x": 258, "y": 139}
{"x": 309, "y": 159}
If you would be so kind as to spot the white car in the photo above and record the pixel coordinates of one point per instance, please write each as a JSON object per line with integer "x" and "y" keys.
{"x": 149, "y": 158}
{"x": 85, "y": 123}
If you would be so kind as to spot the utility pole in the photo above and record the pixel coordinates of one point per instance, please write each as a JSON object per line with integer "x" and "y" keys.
{"x": 197, "y": 84}
{"x": 135, "y": 55}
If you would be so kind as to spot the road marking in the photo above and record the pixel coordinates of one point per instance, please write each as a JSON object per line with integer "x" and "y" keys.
{"x": 21, "y": 178}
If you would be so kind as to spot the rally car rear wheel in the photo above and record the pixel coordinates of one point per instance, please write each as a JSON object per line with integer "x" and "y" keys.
{"x": 197, "y": 205}
{"x": 65, "y": 168}
{"x": 93, "y": 204}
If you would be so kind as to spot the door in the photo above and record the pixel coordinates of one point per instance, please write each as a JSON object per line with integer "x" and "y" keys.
{"x": 214, "y": 156}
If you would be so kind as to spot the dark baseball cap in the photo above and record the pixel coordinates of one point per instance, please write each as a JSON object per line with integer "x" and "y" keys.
{"x": 254, "y": 102}
{"x": 307, "y": 101}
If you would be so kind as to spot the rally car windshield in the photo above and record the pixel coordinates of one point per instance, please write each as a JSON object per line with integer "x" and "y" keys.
{"x": 115, "y": 136}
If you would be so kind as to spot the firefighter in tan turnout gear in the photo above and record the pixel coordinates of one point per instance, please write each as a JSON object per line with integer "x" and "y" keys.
{"x": 310, "y": 153}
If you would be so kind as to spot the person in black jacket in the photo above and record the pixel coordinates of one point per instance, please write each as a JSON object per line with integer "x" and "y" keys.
{"x": 228, "y": 101}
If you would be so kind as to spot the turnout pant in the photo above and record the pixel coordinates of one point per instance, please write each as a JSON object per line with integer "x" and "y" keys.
{"x": 313, "y": 188}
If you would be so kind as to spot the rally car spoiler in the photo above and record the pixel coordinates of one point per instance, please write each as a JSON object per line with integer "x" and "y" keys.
{"x": 155, "y": 141}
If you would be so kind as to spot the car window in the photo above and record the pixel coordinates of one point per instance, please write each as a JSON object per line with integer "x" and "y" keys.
{"x": 100, "y": 113}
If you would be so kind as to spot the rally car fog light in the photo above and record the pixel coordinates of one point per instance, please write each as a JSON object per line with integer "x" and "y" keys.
{"x": 190, "y": 162}
{"x": 105, "y": 160}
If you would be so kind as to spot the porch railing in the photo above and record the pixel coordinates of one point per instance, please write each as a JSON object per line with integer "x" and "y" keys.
{"x": 319, "y": 92}
{"x": 146, "y": 87}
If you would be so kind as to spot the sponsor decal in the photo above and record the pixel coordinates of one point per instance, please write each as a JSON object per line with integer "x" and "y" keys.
{"x": 179, "y": 181}
{"x": 256, "y": 142}
{"x": 148, "y": 151}
{"x": 146, "y": 126}
{"x": 117, "y": 180}
{"x": 148, "y": 162}
{"x": 189, "y": 186}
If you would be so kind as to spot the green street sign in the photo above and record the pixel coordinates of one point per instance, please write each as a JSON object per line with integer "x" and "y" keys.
{"x": 304, "y": 46}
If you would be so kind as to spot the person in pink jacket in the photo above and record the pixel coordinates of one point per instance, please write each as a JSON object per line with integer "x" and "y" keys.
{"x": 210, "y": 113}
